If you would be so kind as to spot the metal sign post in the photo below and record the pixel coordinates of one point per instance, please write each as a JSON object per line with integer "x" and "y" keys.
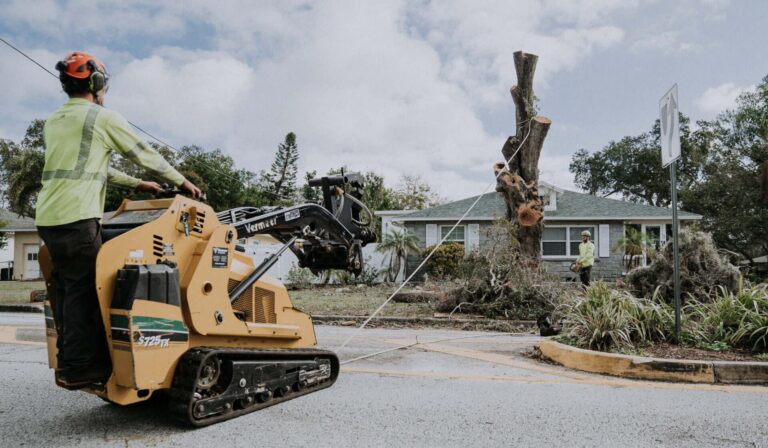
{"x": 670, "y": 152}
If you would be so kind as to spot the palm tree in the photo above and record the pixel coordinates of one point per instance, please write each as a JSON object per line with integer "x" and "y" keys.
{"x": 634, "y": 243}
{"x": 397, "y": 244}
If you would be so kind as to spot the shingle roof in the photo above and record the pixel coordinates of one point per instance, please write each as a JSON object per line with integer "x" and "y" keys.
{"x": 570, "y": 205}
{"x": 14, "y": 222}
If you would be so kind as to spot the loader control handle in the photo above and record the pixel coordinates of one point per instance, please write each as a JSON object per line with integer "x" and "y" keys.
{"x": 171, "y": 192}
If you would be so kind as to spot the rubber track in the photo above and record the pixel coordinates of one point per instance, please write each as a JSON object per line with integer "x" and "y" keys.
{"x": 190, "y": 365}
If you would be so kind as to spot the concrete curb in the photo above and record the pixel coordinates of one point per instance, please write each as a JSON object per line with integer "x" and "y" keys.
{"x": 22, "y": 308}
{"x": 421, "y": 320}
{"x": 639, "y": 367}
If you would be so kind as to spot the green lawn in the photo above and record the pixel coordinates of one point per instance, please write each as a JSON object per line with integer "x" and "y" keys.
{"x": 18, "y": 292}
{"x": 354, "y": 301}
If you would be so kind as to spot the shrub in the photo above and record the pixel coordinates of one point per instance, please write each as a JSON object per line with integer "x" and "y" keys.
{"x": 444, "y": 263}
{"x": 702, "y": 269}
{"x": 300, "y": 278}
{"x": 607, "y": 319}
{"x": 369, "y": 276}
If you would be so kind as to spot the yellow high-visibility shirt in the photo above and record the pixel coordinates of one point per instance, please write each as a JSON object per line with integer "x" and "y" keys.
{"x": 586, "y": 254}
{"x": 79, "y": 140}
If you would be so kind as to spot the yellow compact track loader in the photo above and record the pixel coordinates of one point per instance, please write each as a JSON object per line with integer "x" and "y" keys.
{"x": 186, "y": 312}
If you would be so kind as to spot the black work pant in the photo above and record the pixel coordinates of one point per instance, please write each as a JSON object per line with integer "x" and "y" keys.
{"x": 585, "y": 275}
{"x": 73, "y": 248}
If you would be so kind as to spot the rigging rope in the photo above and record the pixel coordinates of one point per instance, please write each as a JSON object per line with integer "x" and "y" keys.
{"x": 424, "y": 261}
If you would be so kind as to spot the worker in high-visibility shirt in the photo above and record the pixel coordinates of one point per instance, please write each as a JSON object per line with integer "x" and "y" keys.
{"x": 79, "y": 140}
{"x": 586, "y": 258}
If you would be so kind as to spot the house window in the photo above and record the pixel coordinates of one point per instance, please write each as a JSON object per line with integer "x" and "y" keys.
{"x": 563, "y": 241}
{"x": 554, "y": 242}
{"x": 457, "y": 236}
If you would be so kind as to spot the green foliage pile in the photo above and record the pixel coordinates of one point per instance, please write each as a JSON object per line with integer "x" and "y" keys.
{"x": 498, "y": 282}
{"x": 606, "y": 319}
{"x": 702, "y": 269}
{"x": 444, "y": 263}
{"x": 731, "y": 319}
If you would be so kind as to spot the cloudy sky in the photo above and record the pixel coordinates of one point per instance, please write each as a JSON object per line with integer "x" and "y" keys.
{"x": 415, "y": 87}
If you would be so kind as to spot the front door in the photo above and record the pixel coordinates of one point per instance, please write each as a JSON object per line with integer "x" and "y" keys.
{"x": 31, "y": 266}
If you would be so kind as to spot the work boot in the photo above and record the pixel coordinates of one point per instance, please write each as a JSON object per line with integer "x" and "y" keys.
{"x": 80, "y": 378}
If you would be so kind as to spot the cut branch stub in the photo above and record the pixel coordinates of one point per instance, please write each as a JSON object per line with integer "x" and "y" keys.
{"x": 518, "y": 179}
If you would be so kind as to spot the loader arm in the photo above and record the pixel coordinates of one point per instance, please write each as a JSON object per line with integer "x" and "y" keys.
{"x": 328, "y": 236}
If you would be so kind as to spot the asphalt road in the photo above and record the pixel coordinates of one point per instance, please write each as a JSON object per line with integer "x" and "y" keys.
{"x": 465, "y": 392}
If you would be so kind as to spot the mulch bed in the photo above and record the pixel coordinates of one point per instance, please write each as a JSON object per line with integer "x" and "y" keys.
{"x": 669, "y": 351}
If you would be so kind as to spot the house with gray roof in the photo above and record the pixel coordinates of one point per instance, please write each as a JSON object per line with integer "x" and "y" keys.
{"x": 566, "y": 215}
{"x": 18, "y": 259}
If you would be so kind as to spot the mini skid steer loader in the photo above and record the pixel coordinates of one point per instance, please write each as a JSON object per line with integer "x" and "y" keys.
{"x": 187, "y": 313}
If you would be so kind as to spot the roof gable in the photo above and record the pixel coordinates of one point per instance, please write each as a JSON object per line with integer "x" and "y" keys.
{"x": 14, "y": 222}
{"x": 570, "y": 205}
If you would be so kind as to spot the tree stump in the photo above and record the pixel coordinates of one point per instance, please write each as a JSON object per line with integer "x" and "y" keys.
{"x": 518, "y": 178}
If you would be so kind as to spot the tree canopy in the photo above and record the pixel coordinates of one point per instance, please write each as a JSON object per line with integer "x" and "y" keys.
{"x": 722, "y": 172}
{"x": 729, "y": 193}
{"x": 632, "y": 167}
{"x": 21, "y": 165}
{"x": 279, "y": 183}
{"x": 225, "y": 185}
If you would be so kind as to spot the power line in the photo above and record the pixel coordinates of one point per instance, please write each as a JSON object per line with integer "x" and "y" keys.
{"x": 139, "y": 128}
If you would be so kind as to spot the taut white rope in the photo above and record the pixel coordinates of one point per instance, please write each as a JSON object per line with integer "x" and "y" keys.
{"x": 506, "y": 163}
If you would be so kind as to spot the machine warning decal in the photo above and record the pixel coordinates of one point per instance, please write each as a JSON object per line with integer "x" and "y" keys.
{"x": 219, "y": 257}
{"x": 290, "y": 215}
{"x": 168, "y": 250}
{"x": 138, "y": 253}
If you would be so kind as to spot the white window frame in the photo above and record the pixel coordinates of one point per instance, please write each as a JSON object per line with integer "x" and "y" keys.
{"x": 463, "y": 242}
{"x": 644, "y": 229}
{"x": 568, "y": 255}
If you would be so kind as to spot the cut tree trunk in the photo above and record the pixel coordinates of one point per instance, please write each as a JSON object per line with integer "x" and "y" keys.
{"x": 518, "y": 178}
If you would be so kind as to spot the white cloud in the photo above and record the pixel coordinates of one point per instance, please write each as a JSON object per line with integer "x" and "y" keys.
{"x": 394, "y": 87}
{"x": 476, "y": 40}
{"x": 667, "y": 42}
{"x": 720, "y": 98}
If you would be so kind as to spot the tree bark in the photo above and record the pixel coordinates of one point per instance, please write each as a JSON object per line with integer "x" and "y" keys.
{"x": 518, "y": 179}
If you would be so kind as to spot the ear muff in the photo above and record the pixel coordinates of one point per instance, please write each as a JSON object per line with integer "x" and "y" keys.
{"x": 97, "y": 80}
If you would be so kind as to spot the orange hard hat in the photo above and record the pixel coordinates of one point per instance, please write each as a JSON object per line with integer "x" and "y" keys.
{"x": 80, "y": 65}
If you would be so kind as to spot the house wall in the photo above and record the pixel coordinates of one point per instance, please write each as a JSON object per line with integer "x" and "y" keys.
{"x": 608, "y": 268}
{"x": 20, "y": 239}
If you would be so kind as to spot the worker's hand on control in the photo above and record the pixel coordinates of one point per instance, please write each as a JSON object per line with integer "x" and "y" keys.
{"x": 191, "y": 189}
{"x": 152, "y": 187}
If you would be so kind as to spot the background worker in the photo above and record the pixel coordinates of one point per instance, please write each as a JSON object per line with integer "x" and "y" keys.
{"x": 586, "y": 258}
{"x": 79, "y": 139}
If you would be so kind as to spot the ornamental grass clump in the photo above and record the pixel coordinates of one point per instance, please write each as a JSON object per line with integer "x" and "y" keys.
{"x": 607, "y": 319}
{"x": 737, "y": 318}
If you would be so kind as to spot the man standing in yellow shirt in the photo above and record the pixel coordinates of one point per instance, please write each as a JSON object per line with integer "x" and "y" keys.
{"x": 79, "y": 140}
{"x": 586, "y": 258}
